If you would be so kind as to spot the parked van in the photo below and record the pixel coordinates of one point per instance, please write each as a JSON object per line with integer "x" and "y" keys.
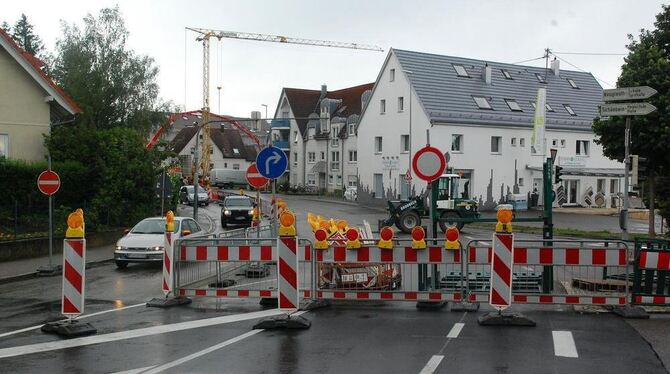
{"x": 228, "y": 178}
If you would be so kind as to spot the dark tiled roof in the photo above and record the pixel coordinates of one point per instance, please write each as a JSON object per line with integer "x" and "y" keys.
{"x": 447, "y": 97}
{"x": 351, "y": 99}
{"x": 303, "y": 103}
{"x": 226, "y": 140}
{"x": 182, "y": 138}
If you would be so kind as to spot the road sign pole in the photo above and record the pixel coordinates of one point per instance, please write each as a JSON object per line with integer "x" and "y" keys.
{"x": 624, "y": 212}
{"x": 51, "y": 225}
{"x": 195, "y": 177}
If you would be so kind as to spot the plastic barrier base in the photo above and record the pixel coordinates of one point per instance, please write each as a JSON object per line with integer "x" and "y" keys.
{"x": 315, "y": 304}
{"x": 269, "y": 301}
{"x": 69, "y": 328}
{"x": 47, "y": 271}
{"x": 430, "y": 304}
{"x": 505, "y": 319}
{"x": 167, "y": 302}
{"x": 630, "y": 311}
{"x": 464, "y": 307}
{"x": 283, "y": 322}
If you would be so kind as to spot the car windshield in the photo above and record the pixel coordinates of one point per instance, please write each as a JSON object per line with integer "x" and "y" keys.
{"x": 238, "y": 202}
{"x": 152, "y": 226}
{"x": 189, "y": 189}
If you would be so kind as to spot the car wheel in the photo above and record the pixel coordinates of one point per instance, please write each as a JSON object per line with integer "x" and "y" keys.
{"x": 121, "y": 264}
{"x": 408, "y": 220}
{"x": 444, "y": 220}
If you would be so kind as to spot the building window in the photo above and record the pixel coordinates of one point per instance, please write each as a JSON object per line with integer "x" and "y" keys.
{"x": 339, "y": 179}
{"x": 392, "y": 75}
{"x": 460, "y": 71}
{"x": 568, "y": 109}
{"x": 311, "y": 157}
{"x": 506, "y": 74}
{"x": 582, "y": 148}
{"x": 310, "y": 133}
{"x": 353, "y": 156}
{"x": 520, "y": 182}
{"x": 513, "y": 142}
{"x": 401, "y": 103}
{"x": 522, "y": 142}
{"x": 496, "y": 142}
{"x": 284, "y": 114}
{"x": 236, "y": 151}
{"x": 554, "y": 142}
{"x": 540, "y": 78}
{"x": 236, "y": 166}
{"x": 562, "y": 143}
{"x": 352, "y": 129}
{"x": 225, "y": 165}
{"x": 352, "y": 181}
{"x": 295, "y": 137}
{"x": 546, "y": 105}
{"x": 382, "y": 106}
{"x": 378, "y": 144}
{"x": 311, "y": 179}
{"x": 600, "y": 185}
{"x": 513, "y": 105}
{"x": 330, "y": 178}
{"x": 457, "y": 143}
{"x": 334, "y": 161}
{"x": 211, "y": 151}
{"x": 482, "y": 102}
{"x": 334, "y": 136}
{"x": 572, "y": 83}
{"x": 295, "y": 158}
{"x": 323, "y": 156}
{"x": 404, "y": 143}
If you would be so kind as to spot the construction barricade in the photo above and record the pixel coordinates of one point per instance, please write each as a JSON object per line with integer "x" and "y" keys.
{"x": 585, "y": 272}
{"x": 651, "y": 281}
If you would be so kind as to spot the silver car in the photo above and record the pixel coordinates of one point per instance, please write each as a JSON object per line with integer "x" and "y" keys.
{"x": 145, "y": 242}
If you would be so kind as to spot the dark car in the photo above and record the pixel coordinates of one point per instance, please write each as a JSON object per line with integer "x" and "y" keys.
{"x": 236, "y": 210}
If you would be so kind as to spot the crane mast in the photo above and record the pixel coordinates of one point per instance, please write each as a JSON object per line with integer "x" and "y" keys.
{"x": 206, "y": 34}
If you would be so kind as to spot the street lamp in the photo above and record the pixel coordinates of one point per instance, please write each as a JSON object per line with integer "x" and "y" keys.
{"x": 409, "y": 161}
{"x": 266, "y": 110}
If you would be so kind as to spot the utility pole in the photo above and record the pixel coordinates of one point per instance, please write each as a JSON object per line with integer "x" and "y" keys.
{"x": 626, "y": 182}
{"x": 195, "y": 177}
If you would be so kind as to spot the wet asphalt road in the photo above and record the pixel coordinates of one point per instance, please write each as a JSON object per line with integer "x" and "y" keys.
{"x": 215, "y": 336}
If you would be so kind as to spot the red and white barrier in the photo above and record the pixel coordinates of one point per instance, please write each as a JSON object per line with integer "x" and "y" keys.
{"x": 213, "y": 292}
{"x": 167, "y": 264}
{"x": 287, "y": 281}
{"x": 228, "y": 253}
{"x": 654, "y": 260}
{"x": 500, "y": 294}
{"x": 74, "y": 277}
{"x": 556, "y": 299}
{"x": 651, "y": 299}
{"x": 555, "y": 256}
{"x": 389, "y": 296}
{"x": 407, "y": 255}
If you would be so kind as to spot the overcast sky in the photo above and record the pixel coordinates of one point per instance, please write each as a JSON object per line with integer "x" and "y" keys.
{"x": 253, "y": 73}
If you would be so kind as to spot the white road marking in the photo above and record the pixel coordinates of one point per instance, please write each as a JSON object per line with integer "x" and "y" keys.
{"x": 564, "y": 344}
{"x": 432, "y": 364}
{"x": 136, "y": 333}
{"x": 135, "y": 371}
{"x": 458, "y": 326}
{"x": 80, "y": 317}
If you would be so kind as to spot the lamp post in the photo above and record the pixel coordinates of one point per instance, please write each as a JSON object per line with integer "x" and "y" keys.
{"x": 266, "y": 110}
{"x": 409, "y": 161}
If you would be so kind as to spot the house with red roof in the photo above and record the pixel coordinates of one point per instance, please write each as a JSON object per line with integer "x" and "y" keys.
{"x": 30, "y": 103}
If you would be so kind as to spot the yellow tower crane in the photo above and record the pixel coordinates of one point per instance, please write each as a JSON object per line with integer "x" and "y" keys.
{"x": 206, "y": 34}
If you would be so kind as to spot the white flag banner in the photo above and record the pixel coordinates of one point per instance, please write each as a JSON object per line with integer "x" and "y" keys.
{"x": 537, "y": 139}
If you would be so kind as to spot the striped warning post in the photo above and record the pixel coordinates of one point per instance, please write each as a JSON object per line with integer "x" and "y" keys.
{"x": 167, "y": 264}
{"x": 288, "y": 273}
{"x": 74, "y": 277}
{"x": 655, "y": 260}
{"x": 500, "y": 295}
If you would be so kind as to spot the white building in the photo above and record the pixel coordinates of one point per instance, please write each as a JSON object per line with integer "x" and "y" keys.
{"x": 482, "y": 114}
{"x": 317, "y": 130}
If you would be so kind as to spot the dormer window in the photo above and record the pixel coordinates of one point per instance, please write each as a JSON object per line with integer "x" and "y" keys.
{"x": 460, "y": 71}
{"x": 506, "y": 74}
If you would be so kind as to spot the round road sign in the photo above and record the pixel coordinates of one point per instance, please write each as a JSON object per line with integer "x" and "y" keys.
{"x": 48, "y": 182}
{"x": 271, "y": 162}
{"x": 254, "y": 178}
{"x": 428, "y": 163}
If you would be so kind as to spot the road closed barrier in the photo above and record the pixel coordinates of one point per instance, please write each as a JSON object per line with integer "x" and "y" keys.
{"x": 651, "y": 281}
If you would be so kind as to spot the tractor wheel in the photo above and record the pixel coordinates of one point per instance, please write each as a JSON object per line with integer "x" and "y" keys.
{"x": 407, "y": 221}
{"x": 444, "y": 220}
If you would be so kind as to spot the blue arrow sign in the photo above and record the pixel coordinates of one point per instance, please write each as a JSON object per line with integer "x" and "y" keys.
{"x": 271, "y": 162}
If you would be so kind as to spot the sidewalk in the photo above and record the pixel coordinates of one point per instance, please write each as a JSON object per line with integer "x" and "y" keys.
{"x": 27, "y": 267}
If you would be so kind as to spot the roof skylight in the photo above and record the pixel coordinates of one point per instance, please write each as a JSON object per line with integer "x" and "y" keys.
{"x": 482, "y": 102}
{"x": 513, "y": 105}
{"x": 460, "y": 70}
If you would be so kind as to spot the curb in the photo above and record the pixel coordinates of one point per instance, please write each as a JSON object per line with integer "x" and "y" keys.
{"x": 33, "y": 274}
{"x": 345, "y": 202}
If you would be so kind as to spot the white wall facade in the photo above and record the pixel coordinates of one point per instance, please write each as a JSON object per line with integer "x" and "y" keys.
{"x": 493, "y": 175}
{"x": 216, "y": 160}
{"x": 296, "y": 165}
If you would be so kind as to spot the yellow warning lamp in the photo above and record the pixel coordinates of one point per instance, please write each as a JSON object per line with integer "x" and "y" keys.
{"x": 320, "y": 236}
{"x": 452, "y": 236}
{"x": 418, "y": 238}
{"x": 75, "y": 225}
{"x": 169, "y": 221}
{"x": 385, "y": 238}
{"x": 287, "y": 223}
{"x": 504, "y": 217}
{"x": 353, "y": 241}
{"x": 342, "y": 225}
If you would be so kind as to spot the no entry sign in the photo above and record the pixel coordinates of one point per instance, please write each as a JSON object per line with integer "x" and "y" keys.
{"x": 254, "y": 178}
{"x": 428, "y": 163}
{"x": 48, "y": 182}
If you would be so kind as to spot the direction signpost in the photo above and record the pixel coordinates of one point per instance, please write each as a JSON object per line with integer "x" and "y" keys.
{"x": 48, "y": 182}
{"x": 272, "y": 163}
{"x": 627, "y": 110}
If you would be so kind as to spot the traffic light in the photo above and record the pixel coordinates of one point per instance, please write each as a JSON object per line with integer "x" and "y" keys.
{"x": 638, "y": 169}
{"x": 558, "y": 174}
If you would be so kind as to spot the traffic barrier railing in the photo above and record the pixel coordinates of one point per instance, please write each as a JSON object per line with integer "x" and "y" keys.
{"x": 586, "y": 272}
{"x": 400, "y": 273}
{"x": 651, "y": 280}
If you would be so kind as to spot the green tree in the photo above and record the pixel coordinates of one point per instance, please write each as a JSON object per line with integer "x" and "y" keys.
{"x": 5, "y": 26}
{"x": 111, "y": 83}
{"x": 647, "y": 64}
{"x": 24, "y": 36}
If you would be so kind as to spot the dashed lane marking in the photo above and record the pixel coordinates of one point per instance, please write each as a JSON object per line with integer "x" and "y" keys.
{"x": 136, "y": 333}
{"x": 432, "y": 364}
{"x": 80, "y": 317}
{"x": 458, "y": 326}
{"x": 564, "y": 344}
{"x": 135, "y": 371}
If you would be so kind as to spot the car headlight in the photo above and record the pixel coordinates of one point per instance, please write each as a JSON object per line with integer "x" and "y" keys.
{"x": 120, "y": 247}
{"x": 157, "y": 248}
{"x": 251, "y": 212}
{"x": 226, "y": 212}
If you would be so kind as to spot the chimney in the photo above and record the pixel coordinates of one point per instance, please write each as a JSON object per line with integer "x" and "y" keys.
{"x": 324, "y": 90}
{"x": 256, "y": 115}
{"x": 555, "y": 66}
{"x": 487, "y": 74}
